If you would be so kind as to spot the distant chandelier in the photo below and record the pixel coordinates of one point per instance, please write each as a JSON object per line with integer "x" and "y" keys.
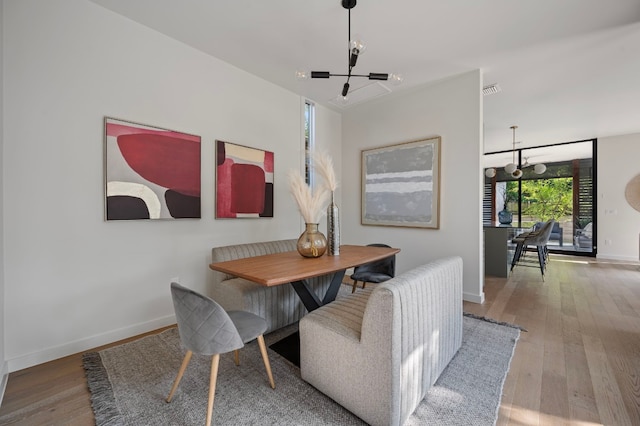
{"x": 356, "y": 48}
{"x": 512, "y": 168}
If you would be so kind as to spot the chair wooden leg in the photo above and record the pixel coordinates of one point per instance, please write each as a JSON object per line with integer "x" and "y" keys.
{"x": 183, "y": 367}
{"x": 236, "y": 356}
{"x": 265, "y": 358}
{"x": 215, "y": 360}
{"x": 364, "y": 284}
{"x": 355, "y": 284}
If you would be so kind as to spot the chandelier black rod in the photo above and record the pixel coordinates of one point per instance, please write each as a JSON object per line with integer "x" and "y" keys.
{"x": 345, "y": 87}
{"x": 349, "y": 75}
{"x": 370, "y": 76}
{"x": 348, "y": 44}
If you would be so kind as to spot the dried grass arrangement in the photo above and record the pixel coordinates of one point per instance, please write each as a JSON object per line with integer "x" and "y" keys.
{"x": 310, "y": 204}
{"x": 324, "y": 165}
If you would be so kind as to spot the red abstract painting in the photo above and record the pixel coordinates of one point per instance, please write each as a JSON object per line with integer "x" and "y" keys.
{"x": 150, "y": 173}
{"x": 244, "y": 181}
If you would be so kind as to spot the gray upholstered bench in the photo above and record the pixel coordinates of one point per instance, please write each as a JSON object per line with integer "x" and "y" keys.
{"x": 278, "y": 305}
{"x": 378, "y": 351}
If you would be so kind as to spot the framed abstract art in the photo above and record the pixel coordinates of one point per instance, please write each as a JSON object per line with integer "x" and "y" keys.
{"x": 401, "y": 185}
{"x": 244, "y": 181}
{"x": 150, "y": 172}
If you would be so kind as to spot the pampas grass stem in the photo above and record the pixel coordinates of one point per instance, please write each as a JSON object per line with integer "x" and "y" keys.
{"x": 324, "y": 165}
{"x": 310, "y": 204}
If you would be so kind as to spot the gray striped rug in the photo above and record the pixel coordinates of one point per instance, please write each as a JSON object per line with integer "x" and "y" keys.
{"x": 129, "y": 384}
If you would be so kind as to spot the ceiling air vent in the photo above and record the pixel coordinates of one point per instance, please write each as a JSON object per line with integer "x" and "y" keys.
{"x": 491, "y": 89}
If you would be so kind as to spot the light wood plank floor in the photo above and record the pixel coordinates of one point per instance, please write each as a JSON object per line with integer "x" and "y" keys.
{"x": 578, "y": 363}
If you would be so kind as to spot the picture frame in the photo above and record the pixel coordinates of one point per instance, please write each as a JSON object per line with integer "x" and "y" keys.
{"x": 150, "y": 172}
{"x": 244, "y": 181}
{"x": 401, "y": 184}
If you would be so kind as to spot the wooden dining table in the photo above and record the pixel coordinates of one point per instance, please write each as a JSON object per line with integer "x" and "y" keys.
{"x": 292, "y": 268}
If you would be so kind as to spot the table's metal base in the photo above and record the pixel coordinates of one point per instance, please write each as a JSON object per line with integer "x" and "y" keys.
{"x": 289, "y": 348}
{"x": 309, "y": 297}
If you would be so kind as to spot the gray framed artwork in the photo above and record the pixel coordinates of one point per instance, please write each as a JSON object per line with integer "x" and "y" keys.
{"x": 401, "y": 184}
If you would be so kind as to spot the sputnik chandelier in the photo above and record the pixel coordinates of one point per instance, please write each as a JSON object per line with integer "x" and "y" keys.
{"x": 356, "y": 48}
{"x": 512, "y": 168}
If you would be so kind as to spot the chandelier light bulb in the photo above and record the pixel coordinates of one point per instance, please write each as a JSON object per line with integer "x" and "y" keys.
{"x": 517, "y": 174}
{"x": 302, "y": 75}
{"x": 490, "y": 172}
{"x": 395, "y": 79}
{"x": 357, "y": 46}
{"x": 510, "y": 168}
{"x": 539, "y": 168}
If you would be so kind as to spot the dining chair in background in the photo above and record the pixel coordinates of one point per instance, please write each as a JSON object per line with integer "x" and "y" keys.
{"x": 206, "y": 328}
{"x": 539, "y": 239}
{"x": 374, "y": 272}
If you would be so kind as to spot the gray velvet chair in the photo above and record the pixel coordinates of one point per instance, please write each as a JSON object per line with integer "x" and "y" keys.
{"x": 207, "y": 329}
{"x": 557, "y": 233}
{"x": 374, "y": 272}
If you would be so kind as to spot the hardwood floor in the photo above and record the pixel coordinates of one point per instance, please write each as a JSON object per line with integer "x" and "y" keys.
{"x": 54, "y": 393}
{"x": 578, "y": 363}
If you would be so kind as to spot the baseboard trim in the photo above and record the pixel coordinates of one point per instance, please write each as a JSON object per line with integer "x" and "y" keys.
{"x": 615, "y": 257}
{"x": 475, "y": 298}
{"x": 81, "y": 345}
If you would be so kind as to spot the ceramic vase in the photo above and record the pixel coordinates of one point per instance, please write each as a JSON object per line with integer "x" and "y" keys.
{"x": 505, "y": 217}
{"x": 312, "y": 243}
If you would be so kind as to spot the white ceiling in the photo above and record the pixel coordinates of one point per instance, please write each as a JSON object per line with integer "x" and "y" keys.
{"x": 568, "y": 69}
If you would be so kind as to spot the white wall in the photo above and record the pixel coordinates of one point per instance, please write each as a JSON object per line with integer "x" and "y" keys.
{"x": 72, "y": 280}
{"x": 451, "y": 109}
{"x": 3, "y": 363}
{"x": 618, "y": 222}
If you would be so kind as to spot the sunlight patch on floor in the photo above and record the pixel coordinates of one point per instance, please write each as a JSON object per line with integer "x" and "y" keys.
{"x": 581, "y": 262}
{"x": 524, "y": 417}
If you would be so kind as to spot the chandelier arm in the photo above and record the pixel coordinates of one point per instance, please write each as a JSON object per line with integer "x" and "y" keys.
{"x": 349, "y": 75}
{"x": 326, "y": 74}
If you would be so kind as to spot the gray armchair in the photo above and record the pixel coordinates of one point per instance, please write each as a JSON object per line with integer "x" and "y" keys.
{"x": 207, "y": 329}
{"x": 583, "y": 238}
{"x": 378, "y": 351}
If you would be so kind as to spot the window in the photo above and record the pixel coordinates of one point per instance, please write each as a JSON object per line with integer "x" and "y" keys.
{"x": 309, "y": 136}
{"x": 564, "y": 192}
